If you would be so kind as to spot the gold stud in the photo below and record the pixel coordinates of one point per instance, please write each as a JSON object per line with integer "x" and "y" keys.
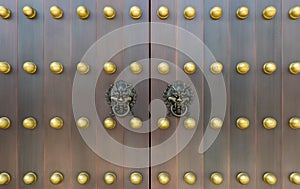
{"x": 29, "y": 123}
{"x": 56, "y": 12}
{"x": 82, "y": 123}
{"x": 135, "y": 12}
{"x": 163, "y": 123}
{"x": 294, "y": 123}
{"x": 109, "y": 178}
{"x": 4, "y": 12}
{"x": 29, "y": 178}
{"x": 56, "y": 123}
{"x": 216, "y": 68}
{"x": 29, "y": 67}
{"x": 110, "y": 67}
{"x": 109, "y": 123}
{"x": 243, "y": 178}
{"x": 56, "y": 178}
{"x": 190, "y": 178}
{"x": 82, "y": 12}
{"x": 243, "y": 68}
{"x": 136, "y": 178}
{"x": 56, "y": 67}
{"x": 136, "y": 68}
{"x": 242, "y": 123}
{"x": 294, "y": 68}
{"x": 269, "y": 68}
{"x": 269, "y": 123}
{"x": 109, "y": 12}
{"x": 189, "y": 123}
{"x": 163, "y": 12}
{"x": 216, "y": 178}
{"x": 216, "y": 123}
{"x": 163, "y": 68}
{"x": 189, "y": 12}
{"x": 270, "y": 178}
{"x": 216, "y": 13}
{"x": 295, "y": 178}
{"x": 269, "y": 12}
{"x": 4, "y": 67}
{"x": 136, "y": 123}
{"x": 83, "y": 178}
{"x": 4, "y": 178}
{"x": 242, "y": 12}
{"x": 294, "y": 12}
{"x": 163, "y": 178}
{"x": 189, "y": 68}
{"x": 4, "y": 123}
{"x": 83, "y": 68}
{"x": 29, "y": 12}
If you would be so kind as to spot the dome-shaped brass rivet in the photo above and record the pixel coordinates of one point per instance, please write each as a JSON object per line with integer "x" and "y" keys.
{"x": 294, "y": 12}
{"x": 163, "y": 68}
{"x": 216, "y": 13}
{"x": 190, "y": 178}
{"x": 29, "y": 12}
{"x": 56, "y": 123}
{"x": 29, "y": 178}
{"x": 4, "y": 123}
{"x": 136, "y": 123}
{"x": 294, "y": 68}
{"x": 83, "y": 68}
{"x": 136, "y": 178}
{"x": 4, "y": 67}
{"x": 109, "y": 12}
{"x": 109, "y": 123}
{"x": 189, "y": 123}
{"x": 294, "y": 123}
{"x": 83, "y": 178}
{"x": 109, "y": 178}
{"x": 56, "y": 67}
{"x": 269, "y": 12}
{"x": 269, "y": 68}
{"x": 29, "y": 123}
{"x": 216, "y": 123}
{"x": 82, "y": 12}
{"x": 4, "y": 178}
{"x": 270, "y": 178}
{"x": 83, "y": 122}
{"x": 243, "y": 178}
{"x": 216, "y": 68}
{"x": 163, "y": 123}
{"x": 243, "y": 67}
{"x": 269, "y": 123}
{"x": 135, "y": 12}
{"x": 242, "y": 123}
{"x": 56, "y": 12}
{"x": 189, "y": 13}
{"x": 295, "y": 178}
{"x": 189, "y": 68}
{"x": 110, "y": 67}
{"x": 242, "y": 12}
{"x": 136, "y": 68}
{"x": 163, "y": 178}
{"x": 56, "y": 178}
{"x": 29, "y": 67}
{"x": 4, "y": 12}
{"x": 163, "y": 12}
{"x": 216, "y": 178}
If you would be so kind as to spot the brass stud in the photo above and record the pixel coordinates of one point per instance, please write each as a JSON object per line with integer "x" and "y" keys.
{"x": 136, "y": 68}
{"x": 189, "y": 123}
{"x": 110, "y": 67}
{"x": 242, "y": 12}
{"x": 243, "y": 178}
{"x": 29, "y": 123}
{"x": 269, "y": 123}
{"x": 56, "y": 67}
{"x": 4, "y": 123}
{"x": 163, "y": 123}
{"x": 216, "y": 178}
{"x": 4, "y": 178}
{"x": 216, "y": 123}
{"x": 82, "y": 12}
{"x": 216, "y": 68}
{"x": 109, "y": 178}
{"x": 216, "y": 13}
{"x": 163, "y": 12}
{"x": 83, "y": 68}
{"x": 295, "y": 178}
{"x": 109, "y": 123}
{"x": 136, "y": 123}
{"x": 294, "y": 123}
{"x": 189, "y": 13}
{"x": 269, "y": 12}
{"x": 83, "y": 178}
{"x": 190, "y": 178}
{"x": 82, "y": 123}
{"x": 294, "y": 12}
{"x": 163, "y": 68}
{"x": 29, "y": 12}
{"x": 109, "y": 12}
{"x": 242, "y": 123}
{"x": 29, "y": 67}
{"x": 243, "y": 68}
{"x": 56, "y": 178}
{"x": 189, "y": 68}
{"x": 270, "y": 178}
{"x": 294, "y": 68}
{"x": 29, "y": 178}
{"x": 4, "y": 67}
{"x": 56, "y": 123}
{"x": 163, "y": 178}
{"x": 4, "y": 12}
{"x": 135, "y": 12}
{"x": 56, "y": 12}
{"x": 269, "y": 68}
{"x": 136, "y": 178}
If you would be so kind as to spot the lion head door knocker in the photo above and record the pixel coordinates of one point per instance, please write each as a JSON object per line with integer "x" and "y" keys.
{"x": 121, "y": 97}
{"x": 178, "y": 97}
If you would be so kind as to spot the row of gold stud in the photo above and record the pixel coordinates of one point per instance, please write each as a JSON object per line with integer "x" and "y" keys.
{"x": 163, "y": 12}
{"x": 137, "y": 178}
{"x": 163, "y": 68}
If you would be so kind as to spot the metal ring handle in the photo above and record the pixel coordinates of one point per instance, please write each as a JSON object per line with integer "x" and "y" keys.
{"x": 179, "y": 115}
{"x": 121, "y": 115}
